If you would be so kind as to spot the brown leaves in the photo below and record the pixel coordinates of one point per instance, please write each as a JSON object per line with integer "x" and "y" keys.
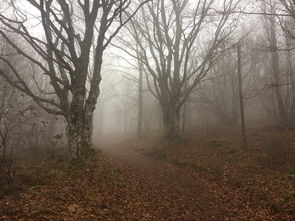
{"x": 203, "y": 181}
{"x": 70, "y": 193}
{"x": 199, "y": 182}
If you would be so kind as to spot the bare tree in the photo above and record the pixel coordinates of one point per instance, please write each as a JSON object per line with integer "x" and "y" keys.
{"x": 174, "y": 57}
{"x": 277, "y": 38}
{"x": 219, "y": 90}
{"x": 140, "y": 100}
{"x": 64, "y": 56}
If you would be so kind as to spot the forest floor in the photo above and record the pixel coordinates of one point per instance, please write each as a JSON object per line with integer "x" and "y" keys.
{"x": 55, "y": 189}
{"x": 209, "y": 178}
{"x": 202, "y": 178}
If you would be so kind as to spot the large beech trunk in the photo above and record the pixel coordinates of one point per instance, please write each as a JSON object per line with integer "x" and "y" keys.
{"x": 79, "y": 135}
{"x": 80, "y": 116}
{"x": 171, "y": 117}
{"x": 80, "y": 124}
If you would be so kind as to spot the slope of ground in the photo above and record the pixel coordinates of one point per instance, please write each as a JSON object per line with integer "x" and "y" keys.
{"x": 202, "y": 179}
{"x": 225, "y": 180}
{"x": 160, "y": 190}
{"x": 55, "y": 189}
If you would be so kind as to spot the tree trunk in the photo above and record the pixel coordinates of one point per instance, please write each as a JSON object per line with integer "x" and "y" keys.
{"x": 171, "y": 117}
{"x": 290, "y": 85}
{"x": 4, "y": 149}
{"x": 80, "y": 117}
{"x": 100, "y": 119}
{"x": 140, "y": 101}
{"x": 79, "y": 134}
{"x": 275, "y": 60}
{"x": 241, "y": 98}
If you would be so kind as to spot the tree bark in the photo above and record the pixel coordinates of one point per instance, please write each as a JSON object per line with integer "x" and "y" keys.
{"x": 79, "y": 135}
{"x": 140, "y": 101}
{"x": 290, "y": 85}
{"x": 241, "y": 98}
{"x": 171, "y": 117}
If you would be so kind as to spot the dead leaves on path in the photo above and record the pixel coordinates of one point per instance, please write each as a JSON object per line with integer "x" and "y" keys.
{"x": 145, "y": 189}
{"x": 219, "y": 190}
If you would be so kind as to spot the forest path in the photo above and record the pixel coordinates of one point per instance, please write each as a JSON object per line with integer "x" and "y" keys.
{"x": 158, "y": 190}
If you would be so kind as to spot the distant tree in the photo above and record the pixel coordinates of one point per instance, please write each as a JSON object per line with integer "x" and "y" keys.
{"x": 288, "y": 22}
{"x": 179, "y": 40}
{"x": 219, "y": 91}
{"x": 22, "y": 123}
{"x": 280, "y": 77}
{"x": 63, "y": 54}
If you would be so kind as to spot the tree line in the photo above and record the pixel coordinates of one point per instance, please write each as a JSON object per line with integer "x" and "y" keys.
{"x": 184, "y": 54}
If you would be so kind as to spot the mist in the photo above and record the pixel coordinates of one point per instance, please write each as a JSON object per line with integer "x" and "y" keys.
{"x": 147, "y": 110}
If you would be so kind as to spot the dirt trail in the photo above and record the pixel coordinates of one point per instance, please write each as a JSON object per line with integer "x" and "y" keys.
{"x": 160, "y": 191}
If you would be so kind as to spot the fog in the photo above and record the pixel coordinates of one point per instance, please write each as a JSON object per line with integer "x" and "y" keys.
{"x": 152, "y": 86}
{"x": 150, "y": 104}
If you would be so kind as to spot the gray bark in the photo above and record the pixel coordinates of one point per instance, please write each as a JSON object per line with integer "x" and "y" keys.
{"x": 79, "y": 134}
{"x": 241, "y": 98}
{"x": 171, "y": 120}
{"x": 140, "y": 101}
